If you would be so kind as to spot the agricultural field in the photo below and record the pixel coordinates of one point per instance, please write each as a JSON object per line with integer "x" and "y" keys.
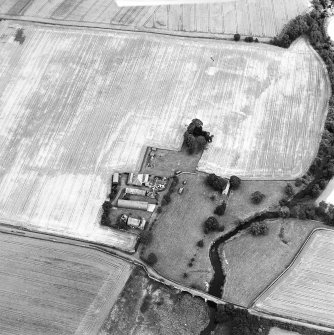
{"x": 155, "y": 309}
{"x": 305, "y": 291}
{"x": 330, "y": 28}
{"x": 261, "y": 18}
{"x": 251, "y": 263}
{"x": 77, "y": 106}
{"x": 56, "y": 288}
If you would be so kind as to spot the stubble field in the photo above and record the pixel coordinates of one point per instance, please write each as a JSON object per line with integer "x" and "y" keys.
{"x": 55, "y": 288}
{"x": 306, "y": 290}
{"x": 262, "y": 18}
{"x": 76, "y": 106}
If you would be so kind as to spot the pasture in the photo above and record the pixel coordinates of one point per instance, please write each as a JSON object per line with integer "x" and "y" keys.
{"x": 56, "y": 288}
{"x": 76, "y": 106}
{"x": 305, "y": 291}
{"x": 251, "y": 263}
{"x": 261, "y": 18}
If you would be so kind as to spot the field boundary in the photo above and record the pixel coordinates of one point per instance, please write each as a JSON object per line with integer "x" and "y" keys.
{"x": 301, "y": 249}
{"x": 124, "y": 28}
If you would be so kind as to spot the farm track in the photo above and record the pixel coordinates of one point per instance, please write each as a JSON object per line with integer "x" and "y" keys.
{"x": 76, "y": 106}
{"x": 261, "y": 18}
{"x": 305, "y": 291}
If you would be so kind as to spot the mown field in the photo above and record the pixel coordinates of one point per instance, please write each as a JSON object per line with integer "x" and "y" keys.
{"x": 55, "y": 288}
{"x": 251, "y": 263}
{"x": 76, "y": 106}
{"x": 262, "y": 18}
{"x": 306, "y": 290}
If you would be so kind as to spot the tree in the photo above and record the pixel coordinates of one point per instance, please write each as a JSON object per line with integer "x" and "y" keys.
{"x": 105, "y": 220}
{"x": 106, "y": 206}
{"x": 257, "y": 197}
{"x": 211, "y": 224}
{"x": 216, "y": 182}
{"x": 235, "y": 182}
{"x": 259, "y": 228}
{"x": 315, "y": 191}
{"x": 220, "y": 210}
{"x": 201, "y": 142}
{"x": 200, "y": 243}
{"x": 166, "y": 199}
{"x": 145, "y": 237}
{"x": 151, "y": 259}
{"x": 289, "y": 191}
{"x": 237, "y": 37}
{"x": 190, "y": 142}
{"x": 285, "y": 212}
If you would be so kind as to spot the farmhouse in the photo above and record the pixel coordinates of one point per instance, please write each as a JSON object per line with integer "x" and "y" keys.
{"x": 136, "y": 223}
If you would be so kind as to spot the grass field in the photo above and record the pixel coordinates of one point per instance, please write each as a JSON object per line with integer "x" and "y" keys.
{"x": 252, "y": 263}
{"x": 262, "y": 18}
{"x": 177, "y": 230}
{"x": 76, "y": 106}
{"x": 55, "y": 288}
{"x": 306, "y": 290}
{"x": 155, "y": 309}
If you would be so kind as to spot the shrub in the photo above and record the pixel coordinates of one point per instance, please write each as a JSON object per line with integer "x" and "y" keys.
{"x": 200, "y": 243}
{"x": 235, "y": 182}
{"x": 259, "y": 228}
{"x": 220, "y": 210}
{"x": 151, "y": 259}
{"x": 249, "y": 39}
{"x": 159, "y": 210}
{"x": 216, "y": 182}
{"x": 237, "y": 37}
{"x": 257, "y": 197}
{"x": 211, "y": 224}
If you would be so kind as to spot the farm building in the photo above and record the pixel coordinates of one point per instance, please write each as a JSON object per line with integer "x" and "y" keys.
{"x": 136, "y": 223}
{"x": 115, "y": 179}
{"x": 142, "y": 205}
{"x": 138, "y": 179}
{"x": 135, "y": 191}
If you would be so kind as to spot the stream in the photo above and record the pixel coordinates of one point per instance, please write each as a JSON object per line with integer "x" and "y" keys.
{"x": 218, "y": 280}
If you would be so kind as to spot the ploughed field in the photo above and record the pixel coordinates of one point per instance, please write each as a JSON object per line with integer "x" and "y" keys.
{"x": 262, "y": 18}
{"x": 76, "y": 106}
{"x": 306, "y": 290}
{"x": 55, "y": 288}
